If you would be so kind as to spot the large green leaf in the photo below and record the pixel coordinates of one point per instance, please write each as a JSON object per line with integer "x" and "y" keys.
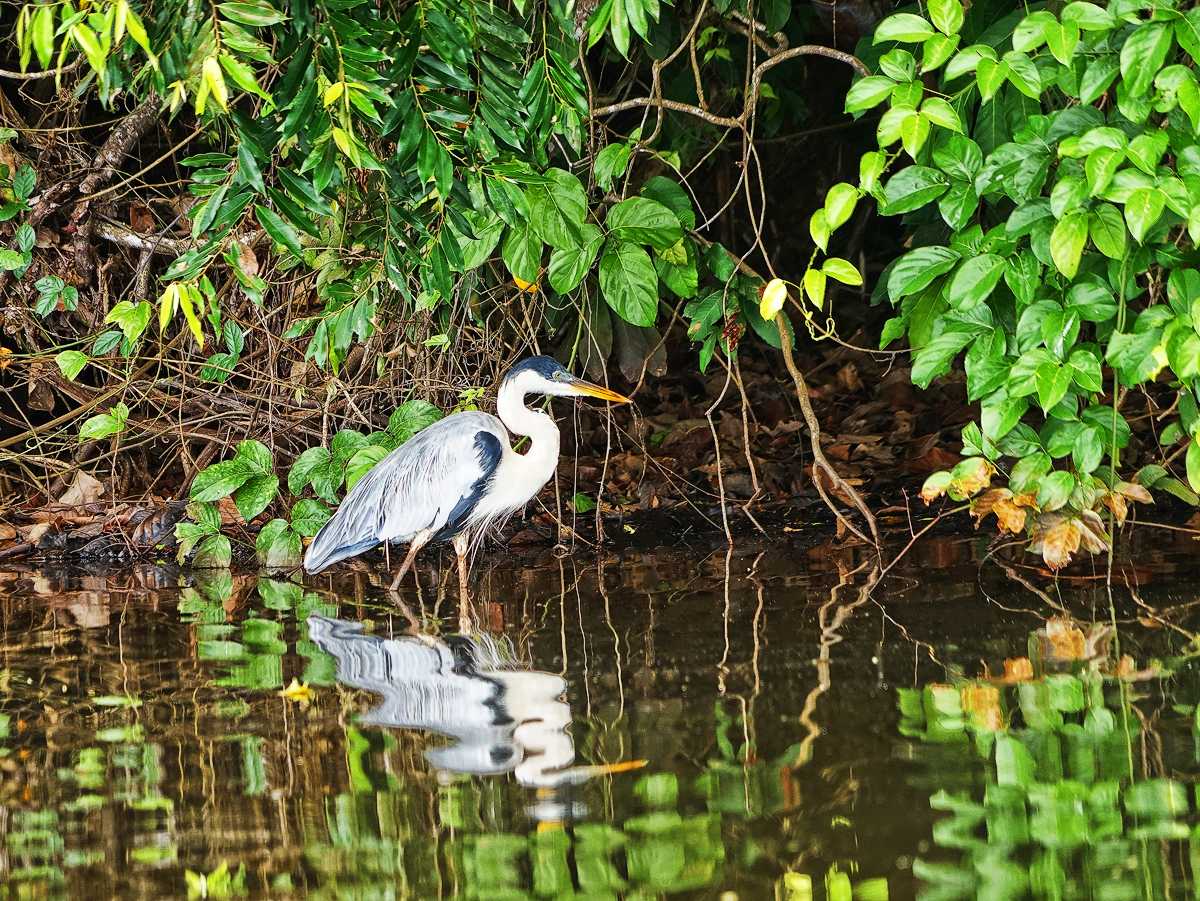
{"x": 1067, "y": 241}
{"x": 558, "y": 210}
{"x": 629, "y": 282}
{"x": 915, "y": 270}
{"x": 522, "y": 252}
{"x": 220, "y": 480}
{"x": 255, "y": 494}
{"x": 568, "y": 265}
{"x": 912, "y": 188}
{"x": 641, "y": 220}
{"x": 975, "y": 280}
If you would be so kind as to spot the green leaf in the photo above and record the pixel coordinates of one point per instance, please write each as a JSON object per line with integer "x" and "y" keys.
{"x": 1052, "y": 380}
{"x": 641, "y": 220}
{"x": 935, "y": 357}
{"x": 842, "y": 270}
{"x": 71, "y": 363}
{"x": 629, "y": 282}
{"x": 1143, "y": 55}
{"x": 903, "y": 27}
{"x": 1142, "y": 210}
{"x": 912, "y": 188}
{"x": 839, "y": 204}
{"x": 941, "y": 113}
{"x": 214, "y": 553}
{"x": 938, "y": 48}
{"x": 301, "y": 472}
{"x": 1193, "y": 464}
{"x": 1106, "y": 228}
{"x": 915, "y": 270}
{"x": 257, "y": 15}
{"x": 412, "y": 416}
{"x": 362, "y": 463}
{"x": 255, "y": 455}
{"x": 100, "y": 426}
{"x": 559, "y": 208}
{"x": 975, "y": 280}
{"x": 582, "y": 503}
{"x": 255, "y": 494}
{"x": 280, "y": 231}
{"x": 1098, "y": 78}
{"x": 277, "y": 547}
{"x": 1067, "y": 241}
{"x": 220, "y": 480}
{"x": 947, "y": 15}
{"x": 1085, "y": 370}
{"x": 673, "y": 197}
{"x": 568, "y": 265}
{"x": 868, "y": 92}
{"x": 1055, "y": 490}
{"x": 522, "y": 252}
{"x": 309, "y": 515}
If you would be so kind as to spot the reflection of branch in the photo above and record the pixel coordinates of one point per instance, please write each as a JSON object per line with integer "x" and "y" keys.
{"x": 830, "y": 637}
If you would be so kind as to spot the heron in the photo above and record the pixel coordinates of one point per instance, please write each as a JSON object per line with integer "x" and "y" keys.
{"x": 456, "y": 478}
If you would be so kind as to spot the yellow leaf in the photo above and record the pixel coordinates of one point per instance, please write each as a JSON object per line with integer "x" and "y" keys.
{"x": 119, "y": 24}
{"x": 168, "y": 305}
{"x": 189, "y": 299}
{"x": 773, "y": 296}
{"x": 298, "y": 692}
{"x": 215, "y": 79}
{"x": 333, "y": 92}
{"x": 528, "y": 287}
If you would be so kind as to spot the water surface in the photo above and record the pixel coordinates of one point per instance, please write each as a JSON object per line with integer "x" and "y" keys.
{"x": 741, "y": 724}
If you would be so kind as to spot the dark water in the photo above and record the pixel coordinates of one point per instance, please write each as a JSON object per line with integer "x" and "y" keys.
{"x": 783, "y": 735}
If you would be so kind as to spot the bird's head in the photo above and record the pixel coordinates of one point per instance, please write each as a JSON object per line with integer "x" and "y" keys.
{"x": 545, "y": 375}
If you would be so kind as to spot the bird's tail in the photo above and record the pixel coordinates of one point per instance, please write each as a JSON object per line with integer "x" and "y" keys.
{"x": 333, "y": 543}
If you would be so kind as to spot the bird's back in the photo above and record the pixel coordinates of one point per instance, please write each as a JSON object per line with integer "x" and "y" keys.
{"x": 432, "y": 481}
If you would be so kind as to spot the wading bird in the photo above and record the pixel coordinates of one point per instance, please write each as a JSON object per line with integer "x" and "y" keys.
{"x": 455, "y": 478}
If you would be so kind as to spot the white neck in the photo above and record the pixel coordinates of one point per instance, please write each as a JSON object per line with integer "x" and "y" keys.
{"x": 538, "y": 426}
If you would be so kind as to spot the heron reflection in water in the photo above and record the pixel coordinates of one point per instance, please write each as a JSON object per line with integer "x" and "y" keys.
{"x": 503, "y": 719}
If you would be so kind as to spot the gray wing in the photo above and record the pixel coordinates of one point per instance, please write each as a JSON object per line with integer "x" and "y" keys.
{"x": 432, "y": 481}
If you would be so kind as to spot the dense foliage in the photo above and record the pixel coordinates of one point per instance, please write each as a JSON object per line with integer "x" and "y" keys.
{"x": 1053, "y": 208}
{"x": 444, "y": 172}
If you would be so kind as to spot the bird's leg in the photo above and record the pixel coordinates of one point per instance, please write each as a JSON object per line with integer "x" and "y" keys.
{"x": 461, "y": 546}
{"x": 418, "y": 541}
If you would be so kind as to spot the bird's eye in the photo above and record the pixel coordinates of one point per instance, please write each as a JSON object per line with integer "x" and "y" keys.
{"x": 558, "y": 376}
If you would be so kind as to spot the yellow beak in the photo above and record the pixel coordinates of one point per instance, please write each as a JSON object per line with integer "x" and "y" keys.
{"x": 597, "y": 391}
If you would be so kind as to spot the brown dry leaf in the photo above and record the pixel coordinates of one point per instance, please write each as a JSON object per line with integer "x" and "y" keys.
{"x": 1066, "y": 639}
{"x": 978, "y": 477}
{"x": 1026, "y": 500}
{"x": 848, "y": 378}
{"x": 229, "y": 513}
{"x": 1116, "y": 503}
{"x": 5, "y": 353}
{"x": 140, "y": 218}
{"x": 1018, "y": 669}
{"x": 7, "y": 532}
{"x": 1059, "y": 544}
{"x": 1135, "y": 492}
{"x": 934, "y": 460}
{"x": 247, "y": 260}
{"x": 1010, "y": 516}
{"x": 1093, "y": 537}
{"x": 982, "y": 705}
{"x": 984, "y": 504}
{"x": 86, "y": 489}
